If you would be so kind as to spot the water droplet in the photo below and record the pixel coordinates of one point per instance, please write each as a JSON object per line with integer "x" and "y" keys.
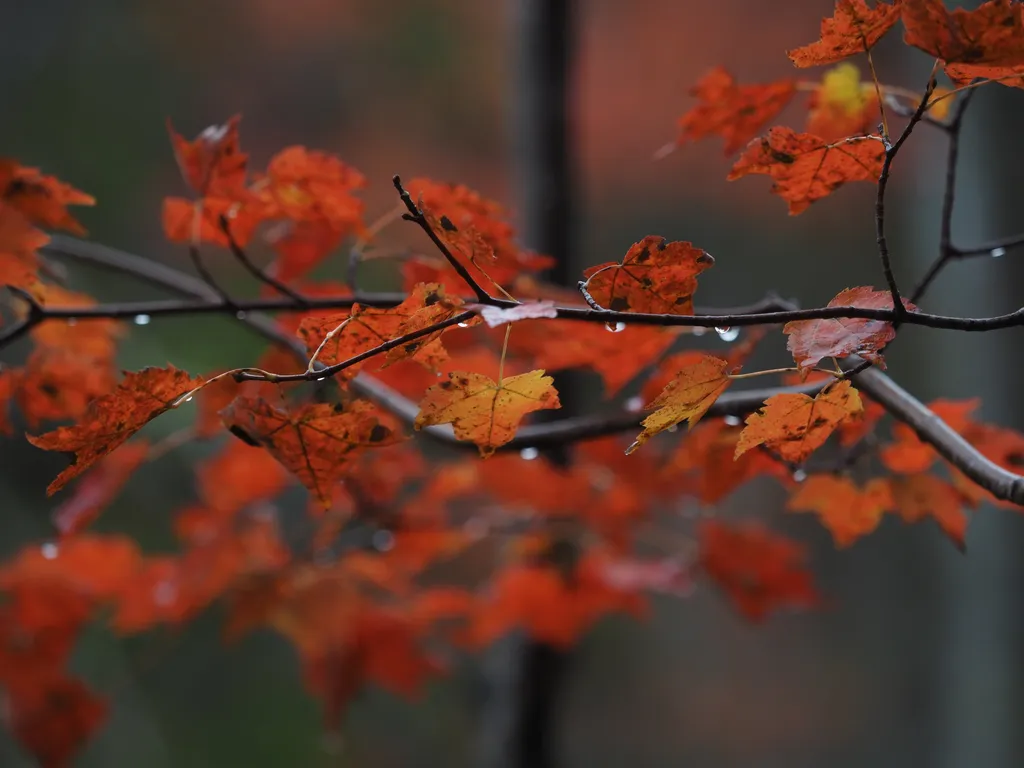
{"x": 727, "y": 333}
{"x": 529, "y": 453}
{"x": 142, "y": 319}
{"x": 698, "y": 330}
{"x": 673, "y": 428}
{"x": 635, "y": 404}
{"x": 615, "y": 327}
{"x": 240, "y": 315}
{"x": 49, "y": 550}
{"x": 188, "y": 399}
{"x": 799, "y": 476}
{"x": 732, "y": 421}
{"x": 996, "y": 253}
{"x": 383, "y": 540}
{"x": 463, "y": 325}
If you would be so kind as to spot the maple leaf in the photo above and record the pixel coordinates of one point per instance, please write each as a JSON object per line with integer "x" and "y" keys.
{"x": 476, "y": 231}
{"x": 484, "y": 411}
{"x": 655, "y": 276}
{"x": 990, "y": 35}
{"x": 19, "y": 241}
{"x": 54, "y": 717}
{"x": 917, "y": 497}
{"x": 198, "y": 221}
{"x": 908, "y": 454}
{"x": 43, "y": 200}
{"x": 847, "y": 511}
{"x": 962, "y": 74}
{"x": 685, "y": 398}
{"x": 212, "y": 163}
{"x": 806, "y": 168}
{"x": 794, "y": 425}
{"x": 760, "y": 571}
{"x": 306, "y": 185}
{"x": 842, "y": 105}
{"x": 704, "y": 464}
{"x": 735, "y": 112}
{"x": 341, "y": 336}
{"x": 853, "y": 28}
{"x": 315, "y": 442}
{"x": 238, "y": 476}
{"x": 618, "y": 352}
{"x": 113, "y": 418}
{"x": 549, "y": 606}
{"x": 811, "y": 341}
{"x": 301, "y": 245}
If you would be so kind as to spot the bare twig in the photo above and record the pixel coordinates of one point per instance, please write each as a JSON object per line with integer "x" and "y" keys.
{"x": 243, "y": 258}
{"x": 416, "y": 215}
{"x": 891, "y": 150}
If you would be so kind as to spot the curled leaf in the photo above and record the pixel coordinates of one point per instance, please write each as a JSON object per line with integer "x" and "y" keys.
{"x": 853, "y": 28}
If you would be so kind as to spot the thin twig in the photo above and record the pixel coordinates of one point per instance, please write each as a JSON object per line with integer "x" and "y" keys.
{"x": 946, "y": 251}
{"x": 891, "y": 150}
{"x": 208, "y": 278}
{"x": 243, "y": 258}
{"x": 416, "y": 215}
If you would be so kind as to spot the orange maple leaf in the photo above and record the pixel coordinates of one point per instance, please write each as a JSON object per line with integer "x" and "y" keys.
{"x": 806, "y": 168}
{"x": 654, "y": 276}
{"x": 908, "y": 454}
{"x": 307, "y": 185}
{"x": 990, "y": 35}
{"x": 315, "y": 442}
{"x": 853, "y": 28}
{"x": 760, "y": 571}
{"x": 735, "y": 112}
{"x": 484, "y": 411}
{"x": 794, "y": 426}
{"x": 341, "y": 336}
{"x": 920, "y": 496}
{"x": 213, "y": 163}
{"x": 19, "y": 241}
{"x": 43, "y": 200}
{"x": 685, "y": 398}
{"x": 113, "y": 418}
{"x": 54, "y": 717}
{"x": 198, "y": 221}
{"x": 846, "y": 510}
{"x": 811, "y": 341}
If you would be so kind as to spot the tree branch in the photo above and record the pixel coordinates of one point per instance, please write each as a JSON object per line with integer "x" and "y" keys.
{"x": 891, "y": 150}
{"x": 416, "y": 215}
{"x": 243, "y": 258}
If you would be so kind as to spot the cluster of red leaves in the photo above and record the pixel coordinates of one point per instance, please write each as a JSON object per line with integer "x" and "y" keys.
{"x": 402, "y": 558}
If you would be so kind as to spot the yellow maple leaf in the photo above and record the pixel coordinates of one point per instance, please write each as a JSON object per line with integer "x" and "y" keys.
{"x": 483, "y": 411}
{"x": 687, "y": 397}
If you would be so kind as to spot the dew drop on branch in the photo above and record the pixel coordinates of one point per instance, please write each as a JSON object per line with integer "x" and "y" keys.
{"x": 732, "y": 421}
{"x": 728, "y": 334}
{"x": 463, "y": 325}
{"x": 529, "y": 453}
{"x": 615, "y": 327}
{"x": 996, "y": 253}
{"x": 634, "y": 404}
{"x": 240, "y": 315}
{"x": 142, "y": 319}
{"x": 49, "y": 550}
{"x": 799, "y": 476}
{"x": 698, "y": 330}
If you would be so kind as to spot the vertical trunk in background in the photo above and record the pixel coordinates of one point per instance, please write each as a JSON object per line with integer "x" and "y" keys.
{"x": 524, "y": 677}
{"x": 973, "y": 688}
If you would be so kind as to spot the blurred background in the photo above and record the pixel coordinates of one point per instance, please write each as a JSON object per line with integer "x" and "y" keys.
{"x": 918, "y": 659}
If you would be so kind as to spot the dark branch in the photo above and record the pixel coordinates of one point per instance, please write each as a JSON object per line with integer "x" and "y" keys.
{"x": 243, "y": 258}
{"x": 416, "y": 215}
{"x": 946, "y": 250}
{"x": 891, "y": 150}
